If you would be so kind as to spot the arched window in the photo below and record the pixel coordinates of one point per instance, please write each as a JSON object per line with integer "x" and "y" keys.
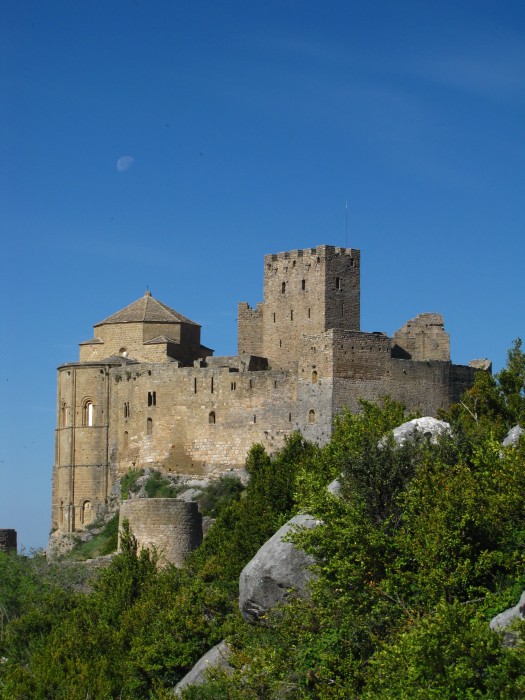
{"x": 125, "y": 443}
{"x": 123, "y": 352}
{"x": 88, "y": 413}
{"x": 211, "y": 418}
{"x": 61, "y": 512}
{"x": 314, "y": 377}
{"x": 87, "y": 513}
{"x": 311, "y": 416}
{"x": 149, "y": 427}
{"x": 63, "y": 414}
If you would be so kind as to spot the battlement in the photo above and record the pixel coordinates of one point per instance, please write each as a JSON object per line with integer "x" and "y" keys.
{"x": 321, "y": 251}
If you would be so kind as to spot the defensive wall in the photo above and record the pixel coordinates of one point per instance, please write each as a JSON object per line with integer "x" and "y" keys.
{"x": 146, "y": 393}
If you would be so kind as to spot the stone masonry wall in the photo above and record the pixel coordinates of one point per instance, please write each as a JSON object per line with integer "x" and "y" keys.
{"x": 8, "y": 541}
{"x": 422, "y": 338}
{"x": 172, "y": 526}
{"x": 307, "y": 291}
{"x": 198, "y": 421}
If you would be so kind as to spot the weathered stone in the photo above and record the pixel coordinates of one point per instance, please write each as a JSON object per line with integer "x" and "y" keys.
{"x": 335, "y": 487}
{"x": 427, "y": 427}
{"x": 172, "y": 526}
{"x": 513, "y": 436}
{"x": 8, "y": 540}
{"x": 503, "y": 622}
{"x": 505, "y": 618}
{"x": 276, "y": 569}
{"x": 216, "y": 657}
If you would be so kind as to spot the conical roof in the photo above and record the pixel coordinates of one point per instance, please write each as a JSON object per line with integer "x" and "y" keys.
{"x": 147, "y": 309}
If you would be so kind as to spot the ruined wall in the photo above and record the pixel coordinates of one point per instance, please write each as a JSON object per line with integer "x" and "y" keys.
{"x": 364, "y": 368}
{"x": 250, "y": 329}
{"x": 173, "y": 527}
{"x": 198, "y": 421}
{"x": 422, "y": 338}
{"x": 8, "y": 541}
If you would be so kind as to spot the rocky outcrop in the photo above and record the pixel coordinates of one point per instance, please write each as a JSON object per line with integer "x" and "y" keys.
{"x": 427, "y": 427}
{"x": 513, "y": 436}
{"x": 216, "y": 657}
{"x": 503, "y": 621}
{"x": 278, "y": 568}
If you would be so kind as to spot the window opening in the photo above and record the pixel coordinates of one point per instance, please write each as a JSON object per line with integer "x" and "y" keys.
{"x": 211, "y": 418}
{"x": 88, "y": 414}
{"x": 233, "y": 386}
{"x": 338, "y": 283}
{"x": 195, "y": 385}
{"x": 274, "y": 318}
{"x": 289, "y": 417}
{"x": 87, "y": 512}
{"x": 303, "y": 285}
{"x": 211, "y": 385}
{"x": 291, "y": 315}
{"x": 152, "y": 398}
{"x": 314, "y": 377}
{"x": 308, "y": 313}
{"x": 63, "y": 414}
{"x": 311, "y": 416}
{"x": 149, "y": 426}
{"x": 255, "y": 419}
{"x": 126, "y": 410}
{"x": 283, "y": 287}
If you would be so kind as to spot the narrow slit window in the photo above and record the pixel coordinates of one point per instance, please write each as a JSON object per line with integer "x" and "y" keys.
{"x": 233, "y": 386}
{"x": 255, "y": 419}
{"x": 152, "y": 398}
{"x": 149, "y": 426}
{"x": 338, "y": 283}
{"x": 309, "y": 313}
{"x": 211, "y": 385}
{"x": 303, "y": 285}
{"x": 283, "y": 287}
{"x": 195, "y": 385}
{"x": 88, "y": 414}
{"x": 291, "y": 315}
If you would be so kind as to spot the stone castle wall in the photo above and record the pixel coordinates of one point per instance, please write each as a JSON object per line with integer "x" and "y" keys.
{"x": 8, "y": 540}
{"x": 171, "y": 526}
{"x": 198, "y": 421}
{"x": 139, "y": 399}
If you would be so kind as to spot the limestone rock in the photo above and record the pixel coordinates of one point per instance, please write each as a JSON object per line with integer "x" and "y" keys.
{"x": 512, "y": 437}
{"x": 428, "y": 427}
{"x": 216, "y": 657}
{"x": 504, "y": 620}
{"x": 335, "y": 487}
{"x": 277, "y": 567}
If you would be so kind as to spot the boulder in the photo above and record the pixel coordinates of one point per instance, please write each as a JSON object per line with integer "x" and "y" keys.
{"x": 334, "y": 487}
{"x": 278, "y": 568}
{"x": 428, "y": 427}
{"x": 504, "y": 620}
{"x": 513, "y": 436}
{"x": 216, "y": 657}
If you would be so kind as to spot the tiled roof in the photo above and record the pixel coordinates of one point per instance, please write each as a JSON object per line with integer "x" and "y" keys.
{"x": 147, "y": 309}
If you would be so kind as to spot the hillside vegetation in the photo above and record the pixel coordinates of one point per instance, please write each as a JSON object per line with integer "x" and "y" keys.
{"x": 424, "y": 545}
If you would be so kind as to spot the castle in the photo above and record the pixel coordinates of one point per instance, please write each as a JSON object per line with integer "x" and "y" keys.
{"x": 146, "y": 393}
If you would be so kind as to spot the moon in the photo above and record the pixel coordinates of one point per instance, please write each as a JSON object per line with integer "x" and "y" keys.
{"x": 125, "y": 163}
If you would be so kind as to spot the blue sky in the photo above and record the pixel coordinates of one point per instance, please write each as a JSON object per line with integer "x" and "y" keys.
{"x": 248, "y": 124}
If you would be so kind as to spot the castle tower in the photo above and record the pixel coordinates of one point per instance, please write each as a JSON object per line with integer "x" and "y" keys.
{"x": 305, "y": 292}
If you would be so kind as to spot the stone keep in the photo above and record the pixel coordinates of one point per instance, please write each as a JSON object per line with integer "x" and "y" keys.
{"x": 147, "y": 393}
